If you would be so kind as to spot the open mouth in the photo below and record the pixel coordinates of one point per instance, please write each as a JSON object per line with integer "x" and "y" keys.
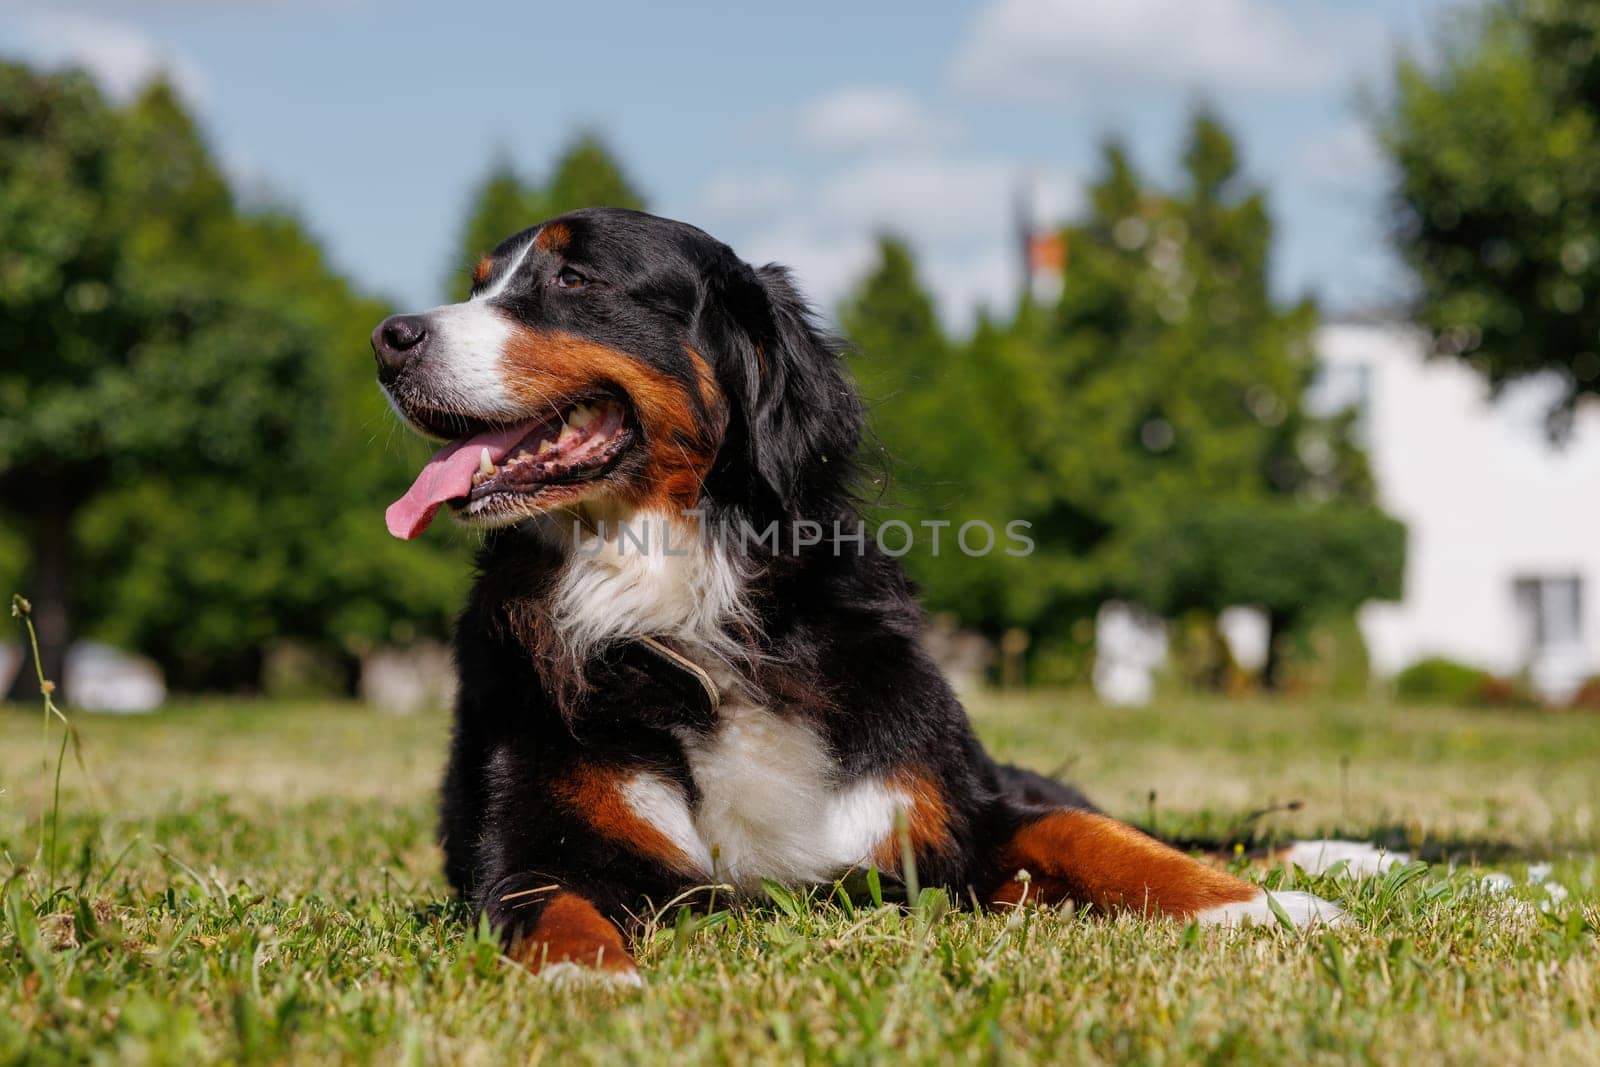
{"x": 508, "y": 471}
{"x": 577, "y": 445}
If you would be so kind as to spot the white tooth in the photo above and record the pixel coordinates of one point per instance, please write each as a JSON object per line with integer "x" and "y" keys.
{"x": 485, "y": 464}
{"x": 581, "y": 416}
{"x": 545, "y": 446}
{"x": 567, "y": 434}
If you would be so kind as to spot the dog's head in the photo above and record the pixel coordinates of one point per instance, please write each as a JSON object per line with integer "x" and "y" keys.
{"x": 614, "y": 356}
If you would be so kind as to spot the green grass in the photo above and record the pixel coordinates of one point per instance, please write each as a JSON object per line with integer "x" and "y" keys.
{"x": 258, "y": 883}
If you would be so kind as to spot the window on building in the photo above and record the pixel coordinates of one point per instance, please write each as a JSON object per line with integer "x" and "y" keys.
{"x": 1552, "y": 610}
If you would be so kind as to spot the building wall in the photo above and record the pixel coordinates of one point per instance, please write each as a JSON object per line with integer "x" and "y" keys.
{"x": 1488, "y": 501}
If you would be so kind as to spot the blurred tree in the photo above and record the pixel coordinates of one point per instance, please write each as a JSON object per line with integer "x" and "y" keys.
{"x": 1177, "y": 382}
{"x": 586, "y": 174}
{"x": 186, "y": 397}
{"x": 500, "y": 206}
{"x": 1168, "y": 348}
{"x": 1298, "y": 563}
{"x": 93, "y": 204}
{"x": 1496, "y": 148}
{"x": 939, "y": 413}
{"x": 1167, "y": 378}
{"x": 900, "y": 359}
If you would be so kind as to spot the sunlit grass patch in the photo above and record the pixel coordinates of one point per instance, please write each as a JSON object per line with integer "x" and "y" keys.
{"x": 258, "y": 883}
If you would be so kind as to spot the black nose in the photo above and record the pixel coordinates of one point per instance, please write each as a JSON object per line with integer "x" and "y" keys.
{"x": 398, "y": 338}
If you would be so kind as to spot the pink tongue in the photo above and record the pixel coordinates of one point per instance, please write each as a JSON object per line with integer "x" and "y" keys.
{"x": 446, "y": 476}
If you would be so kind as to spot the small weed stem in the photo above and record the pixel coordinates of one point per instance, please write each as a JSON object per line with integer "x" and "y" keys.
{"x": 23, "y": 610}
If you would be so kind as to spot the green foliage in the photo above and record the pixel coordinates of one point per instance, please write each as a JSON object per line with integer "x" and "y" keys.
{"x": 1302, "y": 564}
{"x": 941, "y": 448}
{"x": 1292, "y": 560}
{"x": 1326, "y": 655}
{"x": 891, "y": 312}
{"x": 196, "y": 393}
{"x": 1166, "y": 381}
{"x": 1438, "y": 680}
{"x": 13, "y": 556}
{"x": 190, "y": 390}
{"x": 1496, "y": 147}
{"x": 107, "y": 280}
{"x": 586, "y": 174}
{"x": 1168, "y": 371}
{"x": 500, "y": 206}
{"x": 207, "y": 594}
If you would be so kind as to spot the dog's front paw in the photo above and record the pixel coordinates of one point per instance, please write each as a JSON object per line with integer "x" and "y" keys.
{"x": 1303, "y": 909}
{"x": 569, "y": 975}
{"x": 571, "y": 942}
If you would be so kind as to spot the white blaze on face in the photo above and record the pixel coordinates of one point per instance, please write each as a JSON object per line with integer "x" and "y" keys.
{"x": 498, "y": 284}
{"x": 468, "y": 341}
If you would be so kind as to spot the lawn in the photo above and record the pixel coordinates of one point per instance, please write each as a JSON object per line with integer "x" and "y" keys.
{"x": 250, "y": 882}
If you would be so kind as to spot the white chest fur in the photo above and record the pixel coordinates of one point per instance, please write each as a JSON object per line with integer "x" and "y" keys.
{"x": 770, "y": 804}
{"x": 770, "y": 801}
{"x": 644, "y": 574}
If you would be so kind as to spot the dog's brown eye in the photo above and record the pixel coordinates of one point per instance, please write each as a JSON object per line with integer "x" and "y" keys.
{"x": 571, "y": 279}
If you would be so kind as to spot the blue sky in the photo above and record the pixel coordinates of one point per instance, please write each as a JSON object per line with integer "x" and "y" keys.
{"x": 793, "y": 131}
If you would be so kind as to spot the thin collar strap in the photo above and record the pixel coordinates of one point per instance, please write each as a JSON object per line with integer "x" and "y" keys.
{"x": 684, "y": 663}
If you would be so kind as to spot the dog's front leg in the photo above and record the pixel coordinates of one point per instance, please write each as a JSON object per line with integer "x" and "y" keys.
{"x": 1092, "y": 859}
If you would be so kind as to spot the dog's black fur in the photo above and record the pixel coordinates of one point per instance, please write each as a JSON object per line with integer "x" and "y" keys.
{"x": 832, "y": 639}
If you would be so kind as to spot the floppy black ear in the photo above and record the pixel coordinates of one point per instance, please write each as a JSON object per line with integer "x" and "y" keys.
{"x": 796, "y": 419}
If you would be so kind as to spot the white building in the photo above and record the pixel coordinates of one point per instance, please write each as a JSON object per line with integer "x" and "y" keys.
{"x": 1503, "y": 556}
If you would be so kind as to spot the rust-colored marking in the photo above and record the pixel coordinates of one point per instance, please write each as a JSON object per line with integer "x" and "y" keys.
{"x": 1092, "y": 859}
{"x": 481, "y": 272}
{"x": 595, "y": 795}
{"x": 541, "y": 367}
{"x": 710, "y": 391}
{"x": 553, "y": 238}
{"x": 572, "y": 930}
{"x": 927, "y": 821}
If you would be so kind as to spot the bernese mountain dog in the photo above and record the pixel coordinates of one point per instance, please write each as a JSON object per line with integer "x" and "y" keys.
{"x": 663, "y": 688}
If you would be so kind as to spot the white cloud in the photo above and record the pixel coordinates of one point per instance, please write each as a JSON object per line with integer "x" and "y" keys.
{"x": 1059, "y": 49}
{"x": 899, "y": 171}
{"x": 966, "y": 279}
{"x": 957, "y": 213}
{"x": 962, "y": 276}
{"x": 826, "y": 265}
{"x": 741, "y": 197}
{"x": 938, "y": 197}
{"x": 873, "y": 118}
{"x": 927, "y": 195}
{"x": 122, "y": 57}
{"x": 1051, "y": 197}
{"x": 1345, "y": 156}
